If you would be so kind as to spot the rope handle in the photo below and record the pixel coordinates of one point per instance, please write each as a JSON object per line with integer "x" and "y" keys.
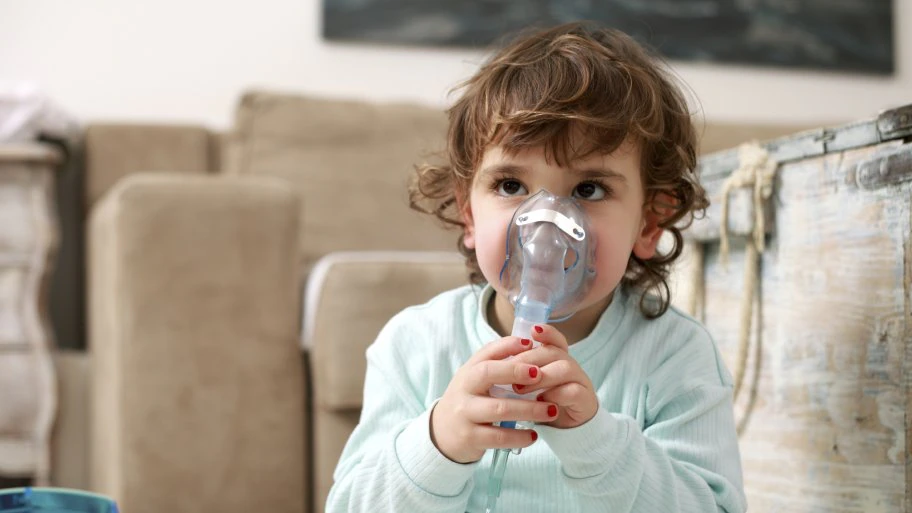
{"x": 758, "y": 171}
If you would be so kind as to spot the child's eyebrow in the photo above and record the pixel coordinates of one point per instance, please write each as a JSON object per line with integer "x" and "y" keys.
{"x": 582, "y": 174}
{"x": 503, "y": 169}
{"x": 608, "y": 174}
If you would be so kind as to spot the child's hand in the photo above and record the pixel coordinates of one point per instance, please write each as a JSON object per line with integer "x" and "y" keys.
{"x": 461, "y": 423}
{"x": 564, "y": 381}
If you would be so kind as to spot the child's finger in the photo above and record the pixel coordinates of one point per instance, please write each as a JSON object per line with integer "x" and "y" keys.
{"x": 568, "y": 395}
{"x": 487, "y": 410}
{"x": 563, "y": 371}
{"x": 500, "y": 349}
{"x": 492, "y": 437}
{"x": 574, "y": 402}
{"x": 542, "y": 355}
{"x": 547, "y": 334}
{"x": 483, "y": 375}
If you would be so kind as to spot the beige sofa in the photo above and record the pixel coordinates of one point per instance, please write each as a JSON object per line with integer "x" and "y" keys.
{"x": 213, "y": 260}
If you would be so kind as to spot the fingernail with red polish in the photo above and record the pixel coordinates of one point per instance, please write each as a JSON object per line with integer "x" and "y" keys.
{"x": 519, "y": 387}
{"x": 552, "y": 411}
{"x": 539, "y": 329}
{"x": 541, "y": 397}
{"x": 534, "y": 436}
{"x": 533, "y": 372}
{"x": 525, "y": 341}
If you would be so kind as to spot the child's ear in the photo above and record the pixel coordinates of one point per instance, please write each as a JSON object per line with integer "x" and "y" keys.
{"x": 656, "y": 211}
{"x": 465, "y": 212}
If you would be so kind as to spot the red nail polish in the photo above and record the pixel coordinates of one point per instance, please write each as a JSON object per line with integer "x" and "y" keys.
{"x": 534, "y": 436}
{"x": 552, "y": 411}
{"x": 539, "y": 329}
{"x": 525, "y": 341}
{"x": 533, "y": 372}
{"x": 519, "y": 387}
{"x": 541, "y": 397}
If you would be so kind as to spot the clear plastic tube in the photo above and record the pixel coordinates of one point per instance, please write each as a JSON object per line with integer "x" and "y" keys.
{"x": 527, "y": 314}
{"x": 495, "y": 481}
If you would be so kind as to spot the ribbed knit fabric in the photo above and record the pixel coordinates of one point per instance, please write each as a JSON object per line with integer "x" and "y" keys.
{"x": 663, "y": 441}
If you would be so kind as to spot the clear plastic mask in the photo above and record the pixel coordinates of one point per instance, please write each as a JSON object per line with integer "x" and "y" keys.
{"x": 549, "y": 266}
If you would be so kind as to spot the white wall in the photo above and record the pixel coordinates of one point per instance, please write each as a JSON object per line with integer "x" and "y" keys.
{"x": 188, "y": 60}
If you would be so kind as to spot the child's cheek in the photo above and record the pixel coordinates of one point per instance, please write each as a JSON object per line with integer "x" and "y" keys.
{"x": 490, "y": 249}
{"x": 612, "y": 254}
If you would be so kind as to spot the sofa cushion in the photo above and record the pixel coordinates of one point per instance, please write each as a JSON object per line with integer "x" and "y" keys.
{"x": 350, "y": 161}
{"x": 115, "y": 150}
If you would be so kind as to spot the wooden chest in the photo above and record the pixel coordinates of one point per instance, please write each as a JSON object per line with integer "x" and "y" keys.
{"x": 813, "y": 315}
{"x": 28, "y": 241}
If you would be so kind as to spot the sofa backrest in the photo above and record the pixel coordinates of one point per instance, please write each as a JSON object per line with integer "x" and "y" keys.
{"x": 116, "y": 150}
{"x": 351, "y": 163}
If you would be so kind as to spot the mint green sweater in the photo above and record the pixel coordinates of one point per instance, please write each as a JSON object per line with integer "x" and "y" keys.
{"x": 663, "y": 440}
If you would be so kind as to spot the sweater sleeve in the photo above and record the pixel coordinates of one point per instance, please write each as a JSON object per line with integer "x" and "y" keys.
{"x": 685, "y": 460}
{"x": 389, "y": 463}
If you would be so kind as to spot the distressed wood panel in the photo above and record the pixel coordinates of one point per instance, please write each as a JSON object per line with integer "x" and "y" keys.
{"x": 19, "y": 378}
{"x": 829, "y": 428}
{"x": 12, "y": 297}
{"x": 17, "y": 186}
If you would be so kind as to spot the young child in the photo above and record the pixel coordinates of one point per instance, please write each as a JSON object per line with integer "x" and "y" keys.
{"x": 635, "y": 410}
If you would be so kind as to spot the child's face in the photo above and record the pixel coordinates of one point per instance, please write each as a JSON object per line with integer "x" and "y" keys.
{"x": 608, "y": 186}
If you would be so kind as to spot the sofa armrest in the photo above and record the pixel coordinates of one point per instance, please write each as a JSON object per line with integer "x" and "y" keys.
{"x": 198, "y": 398}
{"x": 350, "y": 296}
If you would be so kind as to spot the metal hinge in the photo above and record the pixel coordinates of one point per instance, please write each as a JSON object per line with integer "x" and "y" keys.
{"x": 895, "y": 124}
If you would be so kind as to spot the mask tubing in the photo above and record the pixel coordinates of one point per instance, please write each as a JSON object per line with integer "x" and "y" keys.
{"x": 528, "y": 313}
{"x": 495, "y": 481}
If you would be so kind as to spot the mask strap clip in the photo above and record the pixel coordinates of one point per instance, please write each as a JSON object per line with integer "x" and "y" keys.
{"x": 554, "y": 217}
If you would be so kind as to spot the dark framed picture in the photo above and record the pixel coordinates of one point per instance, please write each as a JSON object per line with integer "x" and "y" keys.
{"x": 843, "y": 35}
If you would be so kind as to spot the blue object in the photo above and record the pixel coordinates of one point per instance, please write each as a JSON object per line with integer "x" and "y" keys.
{"x": 53, "y": 500}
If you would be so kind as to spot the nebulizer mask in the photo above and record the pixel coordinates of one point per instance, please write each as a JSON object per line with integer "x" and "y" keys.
{"x": 549, "y": 264}
{"x": 548, "y": 270}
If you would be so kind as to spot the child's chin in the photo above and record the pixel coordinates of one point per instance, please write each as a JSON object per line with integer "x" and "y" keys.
{"x": 600, "y": 297}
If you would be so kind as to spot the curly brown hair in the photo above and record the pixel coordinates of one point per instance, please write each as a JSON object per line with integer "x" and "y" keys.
{"x": 548, "y": 85}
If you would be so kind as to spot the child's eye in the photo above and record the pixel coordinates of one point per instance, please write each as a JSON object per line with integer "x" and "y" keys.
{"x": 590, "y": 191}
{"x": 510, "y": 188}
